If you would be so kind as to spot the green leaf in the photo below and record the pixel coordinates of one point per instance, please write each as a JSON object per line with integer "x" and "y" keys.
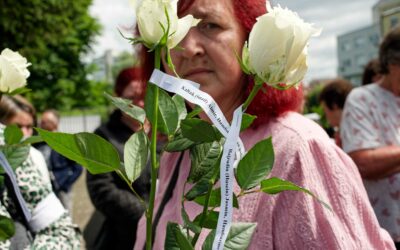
{"x": 244, "y": 59}
{"x": 7, "y": 228}
{"x": 176, "y": 239}
{"x": 180, "y": 106}
{"x": 167, "y": 112}
{"x": 198, "y": 130}
{"x": 247, "y": 120}
{"x": 255, "y": 165}
{"x": 15, "y": 154}
{"x": 204, "y": 157}
{"x": 210, "y": 222}
{"x": 188, "y": 224}
{"x": 275, "y": 185}
{"x": 32, "y": 140}
{"x": 12, "y": 134}
{"x": 197, "y": 110}
{"x": 148, "y": 101}
{"x": 239, "y": 237}
{"x": 169, "y": 116}
{"x": 20, "y": 91}
{"x": 89, "y": 150}
{"x": 198, "y": 189}
{"x": 127, "y": 107}
{"x": 136, "y": 154}
{"x": 201, "y": 187}
{"x": 208, "y": 243}
{"x": 178, "y": 143}
{"x": 121, "y": 172}
{"x": 215, "y": 199}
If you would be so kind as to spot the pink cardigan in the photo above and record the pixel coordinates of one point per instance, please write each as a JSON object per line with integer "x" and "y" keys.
{"x": 291, "y": 220}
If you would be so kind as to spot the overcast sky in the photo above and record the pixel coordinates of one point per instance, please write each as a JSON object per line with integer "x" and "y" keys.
{"x": 334, "y": 17}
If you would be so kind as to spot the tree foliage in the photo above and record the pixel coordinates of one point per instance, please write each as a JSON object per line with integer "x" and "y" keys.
{"x": 123, "y": 60}
{"x": 53, "y": 35}
{"x": 313, "y": 106}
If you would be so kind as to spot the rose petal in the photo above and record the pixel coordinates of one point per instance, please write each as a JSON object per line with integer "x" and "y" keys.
{"x": 184, "y": 25}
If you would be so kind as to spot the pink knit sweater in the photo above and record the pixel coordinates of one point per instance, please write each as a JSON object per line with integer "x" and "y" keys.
{"x": 291, "y": 220}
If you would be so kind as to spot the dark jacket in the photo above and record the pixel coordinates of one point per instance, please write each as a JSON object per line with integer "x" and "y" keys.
{"x": 63, "y": 171}
{"x": 112, "y": 196}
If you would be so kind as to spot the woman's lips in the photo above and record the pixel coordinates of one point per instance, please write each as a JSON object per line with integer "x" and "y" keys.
{"x": 196, "y": 72}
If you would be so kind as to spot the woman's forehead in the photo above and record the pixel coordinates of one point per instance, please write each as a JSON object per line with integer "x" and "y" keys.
{"x": 210, "y": 8}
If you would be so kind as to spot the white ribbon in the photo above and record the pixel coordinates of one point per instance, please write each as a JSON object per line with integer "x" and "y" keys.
{"x": 190, "y": 91}
{"x": 226, "y": 176}
{"x": 233, "y": 145}
{"x": 46, "y": 212}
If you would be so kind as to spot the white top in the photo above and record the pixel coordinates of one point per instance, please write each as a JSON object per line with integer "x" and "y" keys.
{"x": 371, "y": 119}
{"x": 39, "y": 161}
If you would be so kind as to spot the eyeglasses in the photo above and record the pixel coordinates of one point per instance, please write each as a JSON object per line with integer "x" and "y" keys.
{"x": 28, "y": 126}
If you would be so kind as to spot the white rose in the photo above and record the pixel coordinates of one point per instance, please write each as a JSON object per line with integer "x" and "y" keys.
{"x": 13, "y": 71}
{"x": 152, "y": 20}
{"x": 277, "y": 49}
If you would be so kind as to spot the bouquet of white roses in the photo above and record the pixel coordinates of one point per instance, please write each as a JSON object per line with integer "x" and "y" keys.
{"x": 273, "y": 62}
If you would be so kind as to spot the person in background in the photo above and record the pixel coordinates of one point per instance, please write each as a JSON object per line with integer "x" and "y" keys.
{"x": 332, "y": 99}
{"x": 371, "y": 136}
{"x": 50, "y": 120}
{"x": 17, "y": 110}
{"x": 371, "y": 72}
{"x": 63, "y": 171}
{"x": 51, "y": 226}
{"x": 304, "y": 154}
{"x": 110, "y": 195}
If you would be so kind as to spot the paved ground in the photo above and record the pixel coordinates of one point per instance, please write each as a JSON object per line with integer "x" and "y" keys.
{"x": 82, "y": 206}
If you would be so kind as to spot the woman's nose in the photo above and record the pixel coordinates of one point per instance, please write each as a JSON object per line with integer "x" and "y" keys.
{"x": 192, "y": 44}
{"x": 27, "y": 132}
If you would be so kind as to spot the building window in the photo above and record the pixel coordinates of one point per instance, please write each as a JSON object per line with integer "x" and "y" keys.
{"x": 361, "y": 60}
{"x": 346, "y": 63}
{"x": 374, "y": 39}
{"x": 360, "y": 41}
{"x": 346, "y": 46}
{"x": 393, "y": 21}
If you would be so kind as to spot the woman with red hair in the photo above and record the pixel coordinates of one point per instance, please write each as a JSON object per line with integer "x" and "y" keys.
{"x": 304, "y": 153}
{"x": 118, "y": 210}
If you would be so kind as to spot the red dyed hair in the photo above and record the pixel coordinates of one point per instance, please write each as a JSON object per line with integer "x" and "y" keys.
{"x": 269, "y": 104}
{"x": 126, "y": 76}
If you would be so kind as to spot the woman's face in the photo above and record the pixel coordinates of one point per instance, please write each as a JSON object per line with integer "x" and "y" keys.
{"x": 333, "y": 116}
{"x": 208, "y": 54}
{"x": 24, "y": 121}
{"x": 134, "y": 91}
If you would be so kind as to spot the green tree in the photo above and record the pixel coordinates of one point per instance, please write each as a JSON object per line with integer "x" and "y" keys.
{"x": 123, "y": 60}
{"x": 313, "y": 105}
{"x": 53, "y": 35}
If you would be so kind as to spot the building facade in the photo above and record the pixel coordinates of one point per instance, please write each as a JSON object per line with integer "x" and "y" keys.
{"x": 356, "y": 48}
{"x": 387, "y": 14}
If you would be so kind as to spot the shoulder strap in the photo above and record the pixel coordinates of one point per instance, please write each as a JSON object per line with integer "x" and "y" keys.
{"x": 15, "y": 192}
{"x": 167, "y": 196}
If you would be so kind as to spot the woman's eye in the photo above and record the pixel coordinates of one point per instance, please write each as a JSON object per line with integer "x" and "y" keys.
{"x": 210, "y": 26}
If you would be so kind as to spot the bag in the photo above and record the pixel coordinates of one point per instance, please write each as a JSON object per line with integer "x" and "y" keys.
{"x": 22, "y": 237}
{"x": 96, "y": 234}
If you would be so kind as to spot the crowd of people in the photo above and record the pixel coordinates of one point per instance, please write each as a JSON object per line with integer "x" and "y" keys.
{"x": 357, "y": 171}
